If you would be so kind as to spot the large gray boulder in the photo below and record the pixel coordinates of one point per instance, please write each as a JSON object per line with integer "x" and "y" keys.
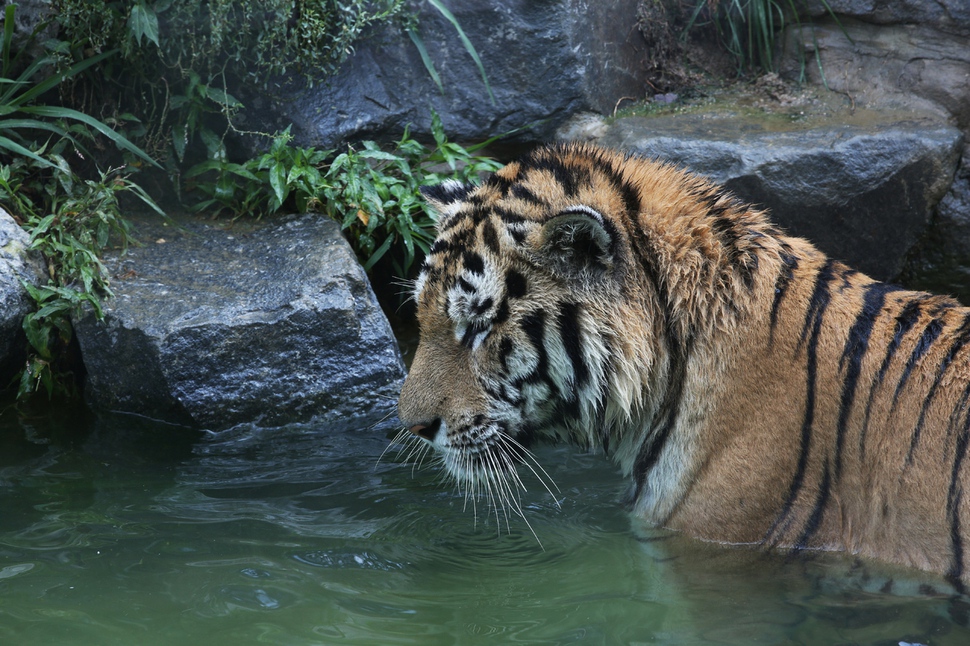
{"x": 17, "y": 263}
{"x": 544, "y": 62}
{"x": 864, "y": 191}
{"x": 214, "y": 326}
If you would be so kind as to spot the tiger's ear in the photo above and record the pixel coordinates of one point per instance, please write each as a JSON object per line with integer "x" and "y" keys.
{"x": 578, "y": 243}
{"x": 446, "y": 197}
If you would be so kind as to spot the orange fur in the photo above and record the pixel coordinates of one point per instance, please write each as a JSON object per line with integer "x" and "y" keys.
{"x": 755, "y": 391}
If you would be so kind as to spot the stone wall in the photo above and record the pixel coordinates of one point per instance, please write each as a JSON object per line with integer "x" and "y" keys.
{"x": 544, "y": 61}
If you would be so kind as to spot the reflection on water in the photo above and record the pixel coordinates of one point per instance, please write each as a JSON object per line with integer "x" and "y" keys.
{"x": 133, "y": 533}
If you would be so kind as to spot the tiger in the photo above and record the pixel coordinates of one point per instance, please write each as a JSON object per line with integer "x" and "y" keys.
{"x": 753, "y": 390}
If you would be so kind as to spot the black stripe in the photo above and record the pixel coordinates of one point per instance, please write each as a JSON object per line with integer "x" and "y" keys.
{"x": 509, "y": 217}
{"x": 654, "y": 444}
{"x": 535, "y": 329}
{"x": 505, "y": 347}
{"x": 813, "y": 321}
{"x": 926, "y": 340}
{"x": 472, "y": 331}
{"x": 724, "y": 227}
{"x": 489, "y": 237}
{"x": 856, "y": 346}
{"x": 512, "y": 221}
{"x": 523, "y": 193}
{"x": 473, "y": 263}
{"x": 629, "y": 192}
{"x": 962, "y": 338}
{"x": 905, "y": 321}
{"x": 747, "y": 268}
{"x": 819, "y": 301}
{"x": 515, "y": 284}
{"x": 569, "y": 178}
{"x": 439, "y": 246}
{"x": 480, "y": 307}
{"x": 501, "y": 313}
{"x": 954, "y": 496}
{"x": 815, "y": 519}
{"x": 569, "y": 330}
{"x": 500, "y": 182}
{"x": 447, "y": 192}
{"x": 785, "y": 276}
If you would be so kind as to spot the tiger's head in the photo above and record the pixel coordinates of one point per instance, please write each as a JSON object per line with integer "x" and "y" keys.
{"x": 541, "y": 311}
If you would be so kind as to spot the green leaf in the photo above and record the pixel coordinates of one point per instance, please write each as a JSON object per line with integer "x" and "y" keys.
{"x": 379, "y": 253}
{"x": 142, "y": 22}
{"x": 38, "y": 335}
{"x": 428, "y": 63}
{"x": 277, "y": 180}
{"x": 57, "y": 112}
{"x": 179, "y": 140}
{"x": 467, "y": 43}
{"x": 222, "y": 97}
{"x": 13, "y": 146}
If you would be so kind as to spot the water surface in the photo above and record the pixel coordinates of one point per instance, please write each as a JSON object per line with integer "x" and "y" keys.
{"x": 126, "y": 532}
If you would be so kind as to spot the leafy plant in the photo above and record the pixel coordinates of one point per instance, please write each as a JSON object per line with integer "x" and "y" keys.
{"x": 372, "y": 193}
{"x": 18, "y": 96}
{"x": 71, "y": 223}
{"x": 70, "y": 219}
{"x": 749, "y": 29}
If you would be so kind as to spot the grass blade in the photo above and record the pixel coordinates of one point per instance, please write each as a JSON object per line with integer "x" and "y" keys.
{"x": 14, "y": 147}
{"x": 428, "y": 64}
{"x": 57, "y": 112}
{"x": 468, "y": 44}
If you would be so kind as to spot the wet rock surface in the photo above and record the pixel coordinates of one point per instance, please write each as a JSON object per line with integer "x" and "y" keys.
{"x": 864, "y": 189}
{"x": 212, "y": 327}
{"x": 17, "y": 264}
{"x": 544, "y": 62}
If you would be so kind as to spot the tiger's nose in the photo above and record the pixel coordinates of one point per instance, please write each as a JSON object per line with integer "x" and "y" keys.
{"x": 427, "y": 431}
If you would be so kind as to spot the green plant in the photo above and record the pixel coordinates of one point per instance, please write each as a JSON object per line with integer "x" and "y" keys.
{"x": 749, "y": 29}
{"x": 18, "y": 96}
{"x": 372, "y": 193}
{"x": 70, "y": 219}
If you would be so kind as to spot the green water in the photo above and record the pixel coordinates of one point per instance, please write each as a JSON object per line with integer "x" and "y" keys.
{"x": 132, "y": 533}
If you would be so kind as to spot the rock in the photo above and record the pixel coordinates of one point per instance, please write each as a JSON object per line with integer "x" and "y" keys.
{"x": 907, "y": 53}
{"x": 941, "y": 262}
{"x": 214, "y": 327}
{"x": 952, "y": 16}
{"x": 913, "y": 58}
{"x": 544, "y": 62}
{"x": 863, "y": 191}
{"x": 17, "y": 263}
{"x": 28, "y": 15}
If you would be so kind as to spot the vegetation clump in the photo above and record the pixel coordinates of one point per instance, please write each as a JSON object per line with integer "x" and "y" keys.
{"x": 157, "y": 74}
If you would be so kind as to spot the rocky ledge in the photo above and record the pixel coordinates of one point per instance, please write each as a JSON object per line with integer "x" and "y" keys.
{"x": 215, "y": 325}
{"x": 863, "y": 186}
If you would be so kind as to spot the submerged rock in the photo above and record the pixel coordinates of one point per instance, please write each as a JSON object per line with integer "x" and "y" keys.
{"x": 863, "y": 189}
{"x": 213, "y": 327}
{"x": 17, "y": 263}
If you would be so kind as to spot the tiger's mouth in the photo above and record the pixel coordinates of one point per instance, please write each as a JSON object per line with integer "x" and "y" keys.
{"x": 474, "y": 453}
{"x": 483, "y": 458}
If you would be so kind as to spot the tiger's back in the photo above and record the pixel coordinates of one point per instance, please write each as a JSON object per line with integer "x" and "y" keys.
{"x": 755, "y": 390}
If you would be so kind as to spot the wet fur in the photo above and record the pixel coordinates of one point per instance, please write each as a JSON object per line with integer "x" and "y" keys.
{"x": 753, "y": 389}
